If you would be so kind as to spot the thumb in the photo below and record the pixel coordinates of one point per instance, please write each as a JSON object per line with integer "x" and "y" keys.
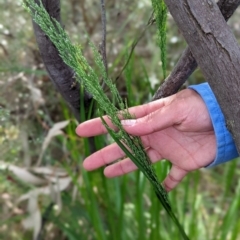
{"x": 155, "y": 121}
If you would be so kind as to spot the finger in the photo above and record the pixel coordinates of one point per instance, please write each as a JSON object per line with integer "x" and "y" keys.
{"x": 174, "y": 177}
{"x": 112, "y": 153}
{"x": 103, "y": 157}
{"x": 126, "y": 165}
{"x": 120, "y": 168}
{"x": 160, "y": 119}
{"x": 95, "y": 127}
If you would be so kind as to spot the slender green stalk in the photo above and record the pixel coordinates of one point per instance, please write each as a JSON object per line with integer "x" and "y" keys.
{"x": 139, "y": 207}
{"x": 160, "y": 12}
{"x": 230, "y": 218}
{"x": 85, "y": 74}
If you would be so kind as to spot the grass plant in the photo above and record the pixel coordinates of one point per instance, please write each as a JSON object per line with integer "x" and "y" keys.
{"x": 72, "y": 55}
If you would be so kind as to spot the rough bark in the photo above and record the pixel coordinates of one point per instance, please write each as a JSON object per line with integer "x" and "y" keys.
{"x": 61, "y": 75}
{"x": 187, "y": 63}
{"x": 216, "y": 51}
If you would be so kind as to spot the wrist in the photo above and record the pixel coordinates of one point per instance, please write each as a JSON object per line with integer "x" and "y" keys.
{"x": 226, "y": 149}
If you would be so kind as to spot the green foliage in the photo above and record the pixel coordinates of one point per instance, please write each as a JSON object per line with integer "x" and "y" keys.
{"x": 160, "y": 12}
{"x": 94, "y": 207}
{"x": 4, "y": 114}
{"x": 85, "y": 74}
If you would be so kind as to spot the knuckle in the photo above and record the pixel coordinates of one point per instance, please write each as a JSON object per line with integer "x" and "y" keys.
{"x": 167, "y": 187}
{"x": 173, "y": 178}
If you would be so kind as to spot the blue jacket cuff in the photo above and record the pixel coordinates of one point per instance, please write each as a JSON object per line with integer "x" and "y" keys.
{"x": 226, "y": 149}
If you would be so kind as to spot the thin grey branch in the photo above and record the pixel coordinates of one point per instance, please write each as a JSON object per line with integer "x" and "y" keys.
{"x": 104, "y": 35}
{"x": 135, "y": 43}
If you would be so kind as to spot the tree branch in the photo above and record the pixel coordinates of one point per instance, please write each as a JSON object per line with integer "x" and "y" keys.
{"x": 187, "y": 63}
{"x": 217, "y": 52}
{"x": 61, "y": 75}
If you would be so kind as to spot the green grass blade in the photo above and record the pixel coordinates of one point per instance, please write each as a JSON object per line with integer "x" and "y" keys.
{"x": 156, "y": 185}
{"x": 231, "y": 216}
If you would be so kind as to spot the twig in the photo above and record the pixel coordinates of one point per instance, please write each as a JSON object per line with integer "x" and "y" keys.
{"x": 104, "y": 35}
{"x": 187, "y": 63}
{"x": 133, "y": 46}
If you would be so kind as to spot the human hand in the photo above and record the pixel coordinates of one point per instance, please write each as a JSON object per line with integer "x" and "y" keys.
{"x": 177, "y": 128}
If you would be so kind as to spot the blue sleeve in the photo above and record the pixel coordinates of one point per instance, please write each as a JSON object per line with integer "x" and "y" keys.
{"x": 226, "y": 149}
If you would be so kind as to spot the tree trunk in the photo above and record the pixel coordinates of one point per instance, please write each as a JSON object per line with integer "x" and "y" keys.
{"x": 216, "y": 51}
{"x": 61, "y": 75}
{"x": 187, "y": 64}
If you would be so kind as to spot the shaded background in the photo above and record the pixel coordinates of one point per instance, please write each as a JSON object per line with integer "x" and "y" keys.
{"x": 44, "y": 192}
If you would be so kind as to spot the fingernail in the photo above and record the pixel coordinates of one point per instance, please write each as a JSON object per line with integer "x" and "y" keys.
{"x": 129, "y": 122}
